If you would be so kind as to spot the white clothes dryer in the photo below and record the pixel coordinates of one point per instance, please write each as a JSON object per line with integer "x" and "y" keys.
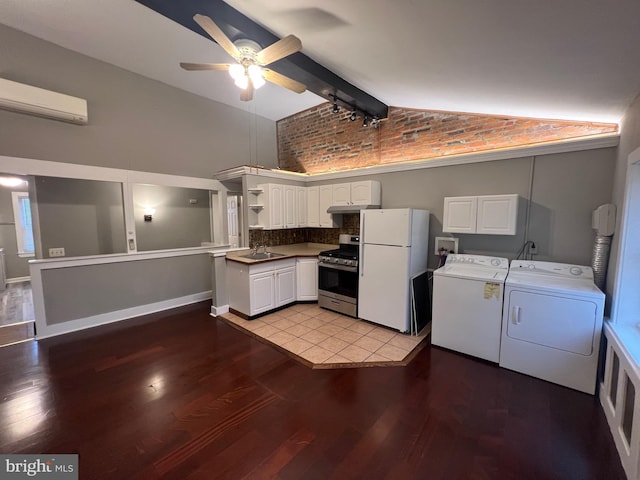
{"x": 467, "y": 305}
{"x": 552, "y": 321}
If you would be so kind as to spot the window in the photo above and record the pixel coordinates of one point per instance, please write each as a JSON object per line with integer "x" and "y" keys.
{"x": 24, "y": 229}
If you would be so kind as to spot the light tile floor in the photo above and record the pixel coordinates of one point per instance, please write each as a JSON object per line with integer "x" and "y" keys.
{"x": 327, "y": 339}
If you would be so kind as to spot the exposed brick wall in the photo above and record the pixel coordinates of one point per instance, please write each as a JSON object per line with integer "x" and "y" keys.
{"x": 317, "y": 140}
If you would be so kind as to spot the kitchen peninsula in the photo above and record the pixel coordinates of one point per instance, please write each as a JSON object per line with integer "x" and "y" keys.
{"x": 257, "y": 286}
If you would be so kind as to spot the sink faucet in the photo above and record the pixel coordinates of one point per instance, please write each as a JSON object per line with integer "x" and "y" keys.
{"x": 257, "y": 247}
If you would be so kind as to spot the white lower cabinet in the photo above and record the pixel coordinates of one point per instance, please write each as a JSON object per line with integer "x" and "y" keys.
{"x": 262, "y": 292}
{"x": 285, "y": 286}
{"x": 258, "y": 288}
{"x": 307, "y": 279}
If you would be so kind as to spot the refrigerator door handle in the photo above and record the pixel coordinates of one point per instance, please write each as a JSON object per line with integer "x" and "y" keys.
{"x": 361, "y": 255}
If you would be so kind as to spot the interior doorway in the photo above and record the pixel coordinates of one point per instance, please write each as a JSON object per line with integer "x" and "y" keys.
{"x": 234, "y": 219}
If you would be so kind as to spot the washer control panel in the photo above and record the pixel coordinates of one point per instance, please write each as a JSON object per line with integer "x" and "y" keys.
{"x": 480, "y": 260}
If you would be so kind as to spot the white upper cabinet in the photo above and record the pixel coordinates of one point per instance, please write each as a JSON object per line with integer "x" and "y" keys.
{"x": 365, "y": 193}
{"x": 313, "y": 206}
{"x": 485, "y": 214}
{"x": 326, "y": 200}
{"x": 357, "y": 193}
{"x": 271, "y": 206}
{"x": 460, "y": 214}
{"x": 290, "y": 212}
{"x": 341, "y": 194}
{"x": 497, "y": 214}
{"x": 301, "y": 206}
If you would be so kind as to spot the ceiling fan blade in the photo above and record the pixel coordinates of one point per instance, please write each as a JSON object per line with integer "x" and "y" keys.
{"x": 286, "y": 82}
{"x": 205, "y": 66}
{"x": 247, "y": 93}
{"x": 282, "y": 48}
{"x": 217, "y": 34}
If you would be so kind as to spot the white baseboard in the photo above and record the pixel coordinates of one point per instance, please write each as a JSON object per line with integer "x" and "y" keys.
{"x": 19, "y": 279}
{"x": 215, "y": 311}
{"x": 119, "y": 315}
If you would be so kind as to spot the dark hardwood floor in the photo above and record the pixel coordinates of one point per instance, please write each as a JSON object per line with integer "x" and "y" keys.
{"x": 17, "y": 319}
{"x": 181, "y": 395}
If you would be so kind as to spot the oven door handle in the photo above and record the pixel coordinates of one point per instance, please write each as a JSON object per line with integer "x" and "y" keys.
{"x": 338, "y": 267}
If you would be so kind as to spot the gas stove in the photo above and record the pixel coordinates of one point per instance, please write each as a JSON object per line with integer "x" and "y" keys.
{"x": 346, "y": 255}
{"x": 338, "y": 276}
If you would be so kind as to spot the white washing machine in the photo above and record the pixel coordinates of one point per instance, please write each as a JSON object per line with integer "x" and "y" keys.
{"x": 467, "y": 305}
{"x": 552, "y": 322}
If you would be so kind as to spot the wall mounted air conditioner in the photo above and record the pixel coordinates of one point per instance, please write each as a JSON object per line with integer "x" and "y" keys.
{"x": 21, "y": 98}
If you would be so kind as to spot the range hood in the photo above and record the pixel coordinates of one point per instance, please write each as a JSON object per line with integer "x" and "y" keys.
{"x": 350, "y": 208}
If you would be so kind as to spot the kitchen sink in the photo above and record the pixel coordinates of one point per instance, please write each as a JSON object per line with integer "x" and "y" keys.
{"x": 262, "y": 256}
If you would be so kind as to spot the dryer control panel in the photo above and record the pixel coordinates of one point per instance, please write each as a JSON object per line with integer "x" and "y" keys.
{"x": 552, "y": 268}
{"x": 480, "y": 260}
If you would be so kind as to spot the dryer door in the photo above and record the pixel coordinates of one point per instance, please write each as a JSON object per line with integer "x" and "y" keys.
{"x": 552, "y": 321}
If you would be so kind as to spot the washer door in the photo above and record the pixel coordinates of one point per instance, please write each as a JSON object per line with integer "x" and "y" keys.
{"x": 558, "y": 322}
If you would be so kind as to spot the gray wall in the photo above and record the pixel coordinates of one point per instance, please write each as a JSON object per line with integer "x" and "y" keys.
{"x": 566, "y": 188}
{"x": 134, "y": 123}
{"x": 98, "y": 289}
{"x": 85, "y": 217}
{"x": 14, "y": 265}
{"x": 176, "y": 223}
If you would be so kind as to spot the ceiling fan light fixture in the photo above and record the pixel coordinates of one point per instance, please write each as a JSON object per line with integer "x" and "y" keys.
{"x": 242, "y": 82}
{"x": 248, "y": 73}
{"x": 255, "y": 73}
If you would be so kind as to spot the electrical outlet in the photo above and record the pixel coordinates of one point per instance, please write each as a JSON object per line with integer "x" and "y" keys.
{"x": 56, "y": 252}
{"x": 533, "y": 249}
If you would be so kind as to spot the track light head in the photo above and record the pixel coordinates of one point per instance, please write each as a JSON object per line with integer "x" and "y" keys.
{"x": 353, "y": 115}
{"x": 375, "y": 122}
{"x": 336, "y": 108}
{"x": 365, "y": 121}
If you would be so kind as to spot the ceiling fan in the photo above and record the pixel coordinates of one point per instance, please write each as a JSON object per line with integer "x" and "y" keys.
{"x": 249, "y": 73}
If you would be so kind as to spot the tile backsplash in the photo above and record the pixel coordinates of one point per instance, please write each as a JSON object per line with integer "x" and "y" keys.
{"x": 272, "y": 238}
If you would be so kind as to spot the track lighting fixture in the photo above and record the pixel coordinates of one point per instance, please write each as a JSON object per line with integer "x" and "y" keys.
{"x": 367, "y": 118}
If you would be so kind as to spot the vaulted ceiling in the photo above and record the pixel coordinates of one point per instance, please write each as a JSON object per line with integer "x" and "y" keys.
{"x": 575, "y": 59}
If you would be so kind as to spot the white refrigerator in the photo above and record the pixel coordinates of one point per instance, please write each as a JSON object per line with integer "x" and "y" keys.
{"x": 393, "y": 250}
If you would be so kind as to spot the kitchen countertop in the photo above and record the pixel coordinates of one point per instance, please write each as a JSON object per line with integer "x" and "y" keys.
{"x": 289, "y": 251}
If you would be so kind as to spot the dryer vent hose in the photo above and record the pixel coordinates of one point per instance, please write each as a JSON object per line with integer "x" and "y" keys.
{"x": 600, "y": 260}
